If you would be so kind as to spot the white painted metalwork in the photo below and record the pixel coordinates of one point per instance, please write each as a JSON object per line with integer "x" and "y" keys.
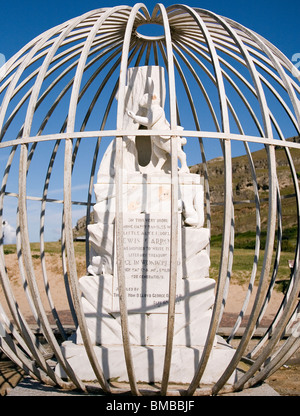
{"x": 74, "y": 62}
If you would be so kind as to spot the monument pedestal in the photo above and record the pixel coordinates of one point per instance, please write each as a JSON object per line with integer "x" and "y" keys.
{"x": 147, "y": 327}
{"x": 148, "y": 363}
{"x": 146, "y": 238}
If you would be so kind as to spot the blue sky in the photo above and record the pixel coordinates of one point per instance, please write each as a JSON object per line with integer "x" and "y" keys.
{"x": 21, "y": 21}
{"x": 276, "y": 20}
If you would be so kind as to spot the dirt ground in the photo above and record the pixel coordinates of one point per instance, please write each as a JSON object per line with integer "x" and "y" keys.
{"x": 10, "y": 375}
{"x": 286, "y": 381}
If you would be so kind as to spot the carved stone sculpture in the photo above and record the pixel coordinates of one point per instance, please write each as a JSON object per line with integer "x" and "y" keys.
{"x": 155, "y": 119}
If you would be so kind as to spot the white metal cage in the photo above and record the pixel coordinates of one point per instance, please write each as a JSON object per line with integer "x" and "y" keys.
{"x": 58, "y": 92}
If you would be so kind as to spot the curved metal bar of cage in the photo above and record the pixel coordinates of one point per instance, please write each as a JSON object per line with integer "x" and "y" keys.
{"x": 271, "y": 222}
{"x": 25, "y": 286}
{"x": 23, "y": 219}
{"x": 204, "y": 136}
{"x": 227, "y": 207}
{"x": 254, "y": 181}
{"x": 44, "y": 195}
{"x": 67, "y": 207}
{"x": 174, "y": 198}
{"x": 239, "y": 383}
{"x": 241, "y": 132}
{"x": 174, "y": 191}
{"x": 231, "y": 234}
{"x": 43, "y": 267}
{"x": 112, "y": 133}
{"x": 256, "y": 249}
{"x": 83, "y": 125}
{"x": 8, "y": 295}
{"x": 26, "y": 130}
{"x": 119, "y": 202}
{"x": 296, "y": 261}
{"x": 279, "y": 329}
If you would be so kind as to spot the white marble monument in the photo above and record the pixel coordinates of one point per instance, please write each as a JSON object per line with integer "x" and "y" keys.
{"x": 146, "y": 232}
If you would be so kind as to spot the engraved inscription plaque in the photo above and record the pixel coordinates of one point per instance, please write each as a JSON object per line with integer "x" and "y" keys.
{"x": 147, "y": 264}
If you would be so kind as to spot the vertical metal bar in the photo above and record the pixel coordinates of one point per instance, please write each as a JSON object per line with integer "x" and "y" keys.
{"x": 5, "y": 102}
{"x": 20, "y": 260}
{"x": 22, "y": 208}
{"x": 119, "y": 202}
{"x": 174, "y": 204}
{"x": 42, "y": 242}
{"x": 296, "y": 263}
{"x": 256, "y": 250}
{"x": 292, "y": 301}
{"x": 22, "y": 199}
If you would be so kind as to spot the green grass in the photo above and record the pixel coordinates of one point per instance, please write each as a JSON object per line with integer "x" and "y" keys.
{"x": 246, "y": 240}
{"x": 9, "y": 249}
{"x": 243, "y": 260}
{"x": 50, "y": 248}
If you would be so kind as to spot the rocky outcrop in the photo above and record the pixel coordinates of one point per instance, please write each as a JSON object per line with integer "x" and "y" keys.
{"x": 80, "y": 228}
{"x": 242, "y": 178}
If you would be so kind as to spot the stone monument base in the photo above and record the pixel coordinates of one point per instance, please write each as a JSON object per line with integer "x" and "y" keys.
{"x": 147, "y": 326}
{"x": 148, "y": 363}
